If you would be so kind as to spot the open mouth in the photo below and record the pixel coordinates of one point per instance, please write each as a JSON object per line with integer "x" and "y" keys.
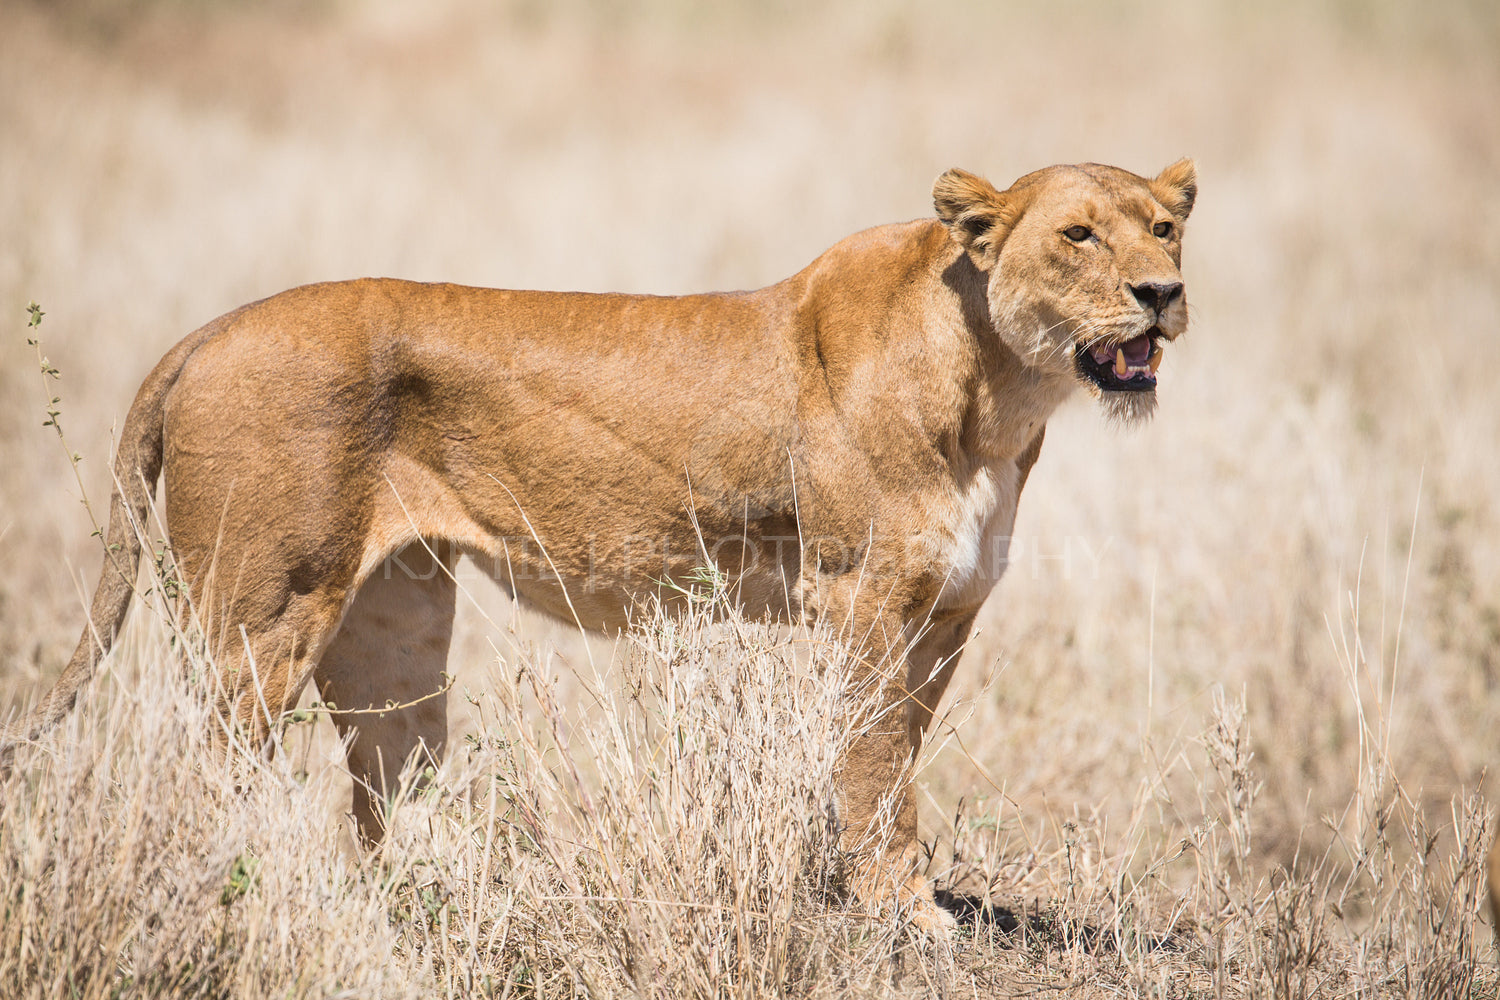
{"x": 1127, "y": 367}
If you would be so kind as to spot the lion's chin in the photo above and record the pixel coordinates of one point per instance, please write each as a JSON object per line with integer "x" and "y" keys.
{"x": 1122, "y": 376}
{"x": 1128, "y": 409}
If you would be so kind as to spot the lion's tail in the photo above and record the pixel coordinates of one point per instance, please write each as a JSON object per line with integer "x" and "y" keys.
{"x": 138, "y": 463}
{"x": 1494, "y": 886}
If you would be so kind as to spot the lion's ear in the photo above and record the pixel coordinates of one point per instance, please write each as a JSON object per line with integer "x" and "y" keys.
{"x": 977, "y": 216}
{"x": 1177, "y": 188}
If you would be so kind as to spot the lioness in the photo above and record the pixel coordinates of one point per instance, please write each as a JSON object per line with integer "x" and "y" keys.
{"x": 848, "y": 444}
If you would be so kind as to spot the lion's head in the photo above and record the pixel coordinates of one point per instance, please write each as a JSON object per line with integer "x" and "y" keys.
{"x": 1083, "y": 269}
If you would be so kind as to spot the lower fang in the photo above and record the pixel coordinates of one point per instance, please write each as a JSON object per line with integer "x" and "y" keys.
{"x": 1154, "y": 362}
{"x": 1120, "y": 367}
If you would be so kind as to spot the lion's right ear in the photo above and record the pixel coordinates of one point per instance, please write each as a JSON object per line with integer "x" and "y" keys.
{"x": 978, "y": 217}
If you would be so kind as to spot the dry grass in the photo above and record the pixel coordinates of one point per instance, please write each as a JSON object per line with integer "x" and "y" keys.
{"x": 1226, "y": 727}
{"x": 669, "y": 834}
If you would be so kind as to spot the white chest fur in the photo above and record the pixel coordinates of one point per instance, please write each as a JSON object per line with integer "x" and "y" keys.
{"x": 974, "y": 537}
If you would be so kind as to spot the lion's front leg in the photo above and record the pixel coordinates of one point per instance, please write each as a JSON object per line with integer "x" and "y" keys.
{"x": 878, "y": 811}
{"x": 931, "y": 659}
{"x": 879, "y": 818}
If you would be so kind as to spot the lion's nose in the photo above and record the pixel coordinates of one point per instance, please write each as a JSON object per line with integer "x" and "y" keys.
{"x": 1156, "y": 295}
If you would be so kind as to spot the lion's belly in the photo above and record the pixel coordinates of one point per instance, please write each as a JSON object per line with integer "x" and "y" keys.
{"x": 604, "y": 574}
{"x": 975, "y": 540}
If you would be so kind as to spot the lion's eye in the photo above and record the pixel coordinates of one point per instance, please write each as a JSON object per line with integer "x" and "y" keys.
{"x": 1078, "y": 233}
{"x": 1162, "y": 230}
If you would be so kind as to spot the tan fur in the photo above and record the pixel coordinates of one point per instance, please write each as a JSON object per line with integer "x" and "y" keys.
{"x": 849, "y": 443}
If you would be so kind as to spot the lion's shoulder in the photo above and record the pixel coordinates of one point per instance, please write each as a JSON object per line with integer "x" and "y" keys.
{"x": 895, "y": 247}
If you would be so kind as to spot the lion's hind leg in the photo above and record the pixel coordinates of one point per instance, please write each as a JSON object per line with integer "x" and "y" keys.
{"x": 383, "y": 673}
{"x": 264, "y": 662}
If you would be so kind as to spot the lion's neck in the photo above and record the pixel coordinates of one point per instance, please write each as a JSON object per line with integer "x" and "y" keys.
{"x": 1008, "y": 401}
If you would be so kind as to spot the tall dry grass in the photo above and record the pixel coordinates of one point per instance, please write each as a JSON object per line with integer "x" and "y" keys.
{"x": 672, "y": 834}
{"x": 1226, "y": 727}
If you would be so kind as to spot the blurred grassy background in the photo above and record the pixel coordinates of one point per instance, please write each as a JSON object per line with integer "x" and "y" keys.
{"x": 1324, "y": 449}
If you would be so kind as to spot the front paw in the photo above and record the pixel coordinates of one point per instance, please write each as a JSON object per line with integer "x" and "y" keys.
{"x": 882, "y": 883}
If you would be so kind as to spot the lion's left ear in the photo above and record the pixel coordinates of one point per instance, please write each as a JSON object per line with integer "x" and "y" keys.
{"x": 977, "y": 216}
{"x": 1177, "y": 188}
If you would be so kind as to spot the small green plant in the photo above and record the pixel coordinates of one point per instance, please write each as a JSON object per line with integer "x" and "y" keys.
{"x": 51, "y": 374}
{"x": 242, "y": 875}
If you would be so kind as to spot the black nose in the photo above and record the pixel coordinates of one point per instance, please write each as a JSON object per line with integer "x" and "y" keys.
{"x": 1156, "y": 295}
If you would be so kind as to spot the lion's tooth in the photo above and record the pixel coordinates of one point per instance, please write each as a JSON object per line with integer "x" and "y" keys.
{"x": 1120, "y": 366}
{"x": 1154, "y": 362}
